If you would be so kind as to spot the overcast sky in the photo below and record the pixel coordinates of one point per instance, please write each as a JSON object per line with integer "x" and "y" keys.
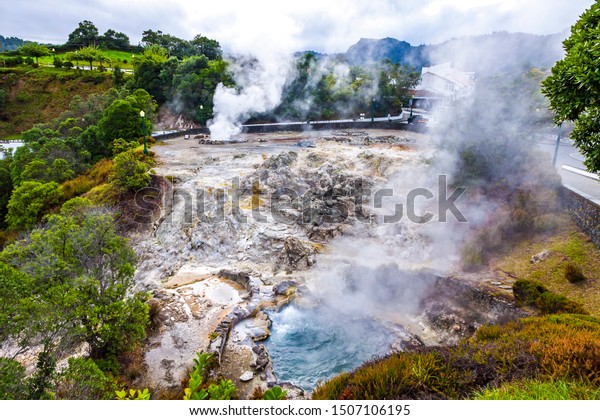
{"x": 288, "y": 26}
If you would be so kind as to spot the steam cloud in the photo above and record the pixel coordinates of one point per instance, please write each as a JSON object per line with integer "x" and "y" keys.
{"x": 487, "y": 143}
{"x": 260, "y": 64}
{"x": 259, "y": 83}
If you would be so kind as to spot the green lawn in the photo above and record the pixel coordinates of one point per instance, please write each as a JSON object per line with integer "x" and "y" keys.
{"x": 116, "y": 58}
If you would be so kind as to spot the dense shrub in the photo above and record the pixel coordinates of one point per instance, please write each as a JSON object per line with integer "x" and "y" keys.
{"x": 29, "y": 201}
{"x": 12, "y": 380}
{"x": 528, "y": 291}
{"x": 13, "y": 61}
{"x": 82, "y": 280}
{"x": 83, "y": 380}
{"x": 533, "y": 293}
{"x": 130, "y": 173}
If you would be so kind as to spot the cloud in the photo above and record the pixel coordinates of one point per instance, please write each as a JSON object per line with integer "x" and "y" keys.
{"x": 325, "y": 26}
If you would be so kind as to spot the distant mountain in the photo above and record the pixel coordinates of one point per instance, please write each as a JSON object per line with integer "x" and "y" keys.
{"x": 10, "y": 44}
{"x": 500, "y": 52}
{"x": 375, "y": 50}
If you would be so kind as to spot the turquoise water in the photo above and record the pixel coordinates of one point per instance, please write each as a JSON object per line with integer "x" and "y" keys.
{"x": 308, "y": 345}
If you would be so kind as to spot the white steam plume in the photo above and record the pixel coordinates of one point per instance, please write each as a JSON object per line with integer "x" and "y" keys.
{"x": 260, "y": 66}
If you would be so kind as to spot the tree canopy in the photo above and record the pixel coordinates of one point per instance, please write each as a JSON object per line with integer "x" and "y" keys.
{"x": 181, "y": 48}
{"x": 573, "y": 87}
{"x": 114, "y": 40}
{"x": 85, "y": 35}
{"x": 34, "y": 50}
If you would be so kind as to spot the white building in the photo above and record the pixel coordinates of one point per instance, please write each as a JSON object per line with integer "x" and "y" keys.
{"x": 444, "y": 84}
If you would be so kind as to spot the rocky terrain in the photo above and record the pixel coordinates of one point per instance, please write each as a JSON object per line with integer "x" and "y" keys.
{"x": 249, "y": 225}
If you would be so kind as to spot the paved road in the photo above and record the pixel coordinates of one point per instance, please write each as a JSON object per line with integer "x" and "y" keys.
{"x": 569, "y": 155}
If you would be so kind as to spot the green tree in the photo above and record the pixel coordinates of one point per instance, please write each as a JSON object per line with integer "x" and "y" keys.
{"x": 194, "y": 83}
{"x": 60, "y": 171}
{"x": 84, "y": 35}
{"x": 133, "y": 394}
{"x": 147, "y": 71}
{"x": 210, "y": 48}
{"x": 573, "y": 87}
{"x": 150, "y": 37}
{"x": 15, "y": 287}
{"x": 73, "y": 56}
{"x": 115, "y": 40}
{"x": 47, "y": 156}
{"x": 82, "y": 273}
{"x": 395, "y": 82}
{"x": 118, "y": 76}
{"x": 120, "y": 120}
{"x": 89, "y": 54}
{"x": 102, "y": 59}
{"x": 295, "y": 90}
{"x": 29, "y": 201}
{"x": 40, "y": 382}
{"x": 129, "y": 173}
{"x": 34, "y": 50}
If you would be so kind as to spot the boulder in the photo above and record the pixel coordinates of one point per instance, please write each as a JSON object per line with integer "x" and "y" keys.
{"x": 258, "y": 333}
{"x": 261, "y": 357}
{"x": 240, "y": 277}
{"x": 297, "y": 255}
{"x": 285, "y": 287}
{"x": 247, "y": 376}
{"x": 307, "y": 143}
{"x": 540, "y": 256}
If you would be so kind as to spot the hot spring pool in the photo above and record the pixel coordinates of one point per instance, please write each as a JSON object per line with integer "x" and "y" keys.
{"x": 308, "y": 345}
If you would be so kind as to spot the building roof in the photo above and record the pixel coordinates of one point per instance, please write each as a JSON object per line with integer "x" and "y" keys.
{"x": 446, "y": 71}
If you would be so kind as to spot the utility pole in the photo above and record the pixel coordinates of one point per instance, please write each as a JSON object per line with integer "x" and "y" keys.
{"x": 557, "y": 144}
{"x": 372, "y": 109}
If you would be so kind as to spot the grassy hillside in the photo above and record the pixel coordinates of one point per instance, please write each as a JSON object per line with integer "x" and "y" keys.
{"x": 39, "y": 95}
{"x": 567, "y": 247}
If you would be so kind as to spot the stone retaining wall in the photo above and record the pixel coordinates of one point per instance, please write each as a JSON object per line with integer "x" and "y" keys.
{"x": 299, "y": 127}
{"x": 320, "y": 126}
{"x": 584, "y": 210}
